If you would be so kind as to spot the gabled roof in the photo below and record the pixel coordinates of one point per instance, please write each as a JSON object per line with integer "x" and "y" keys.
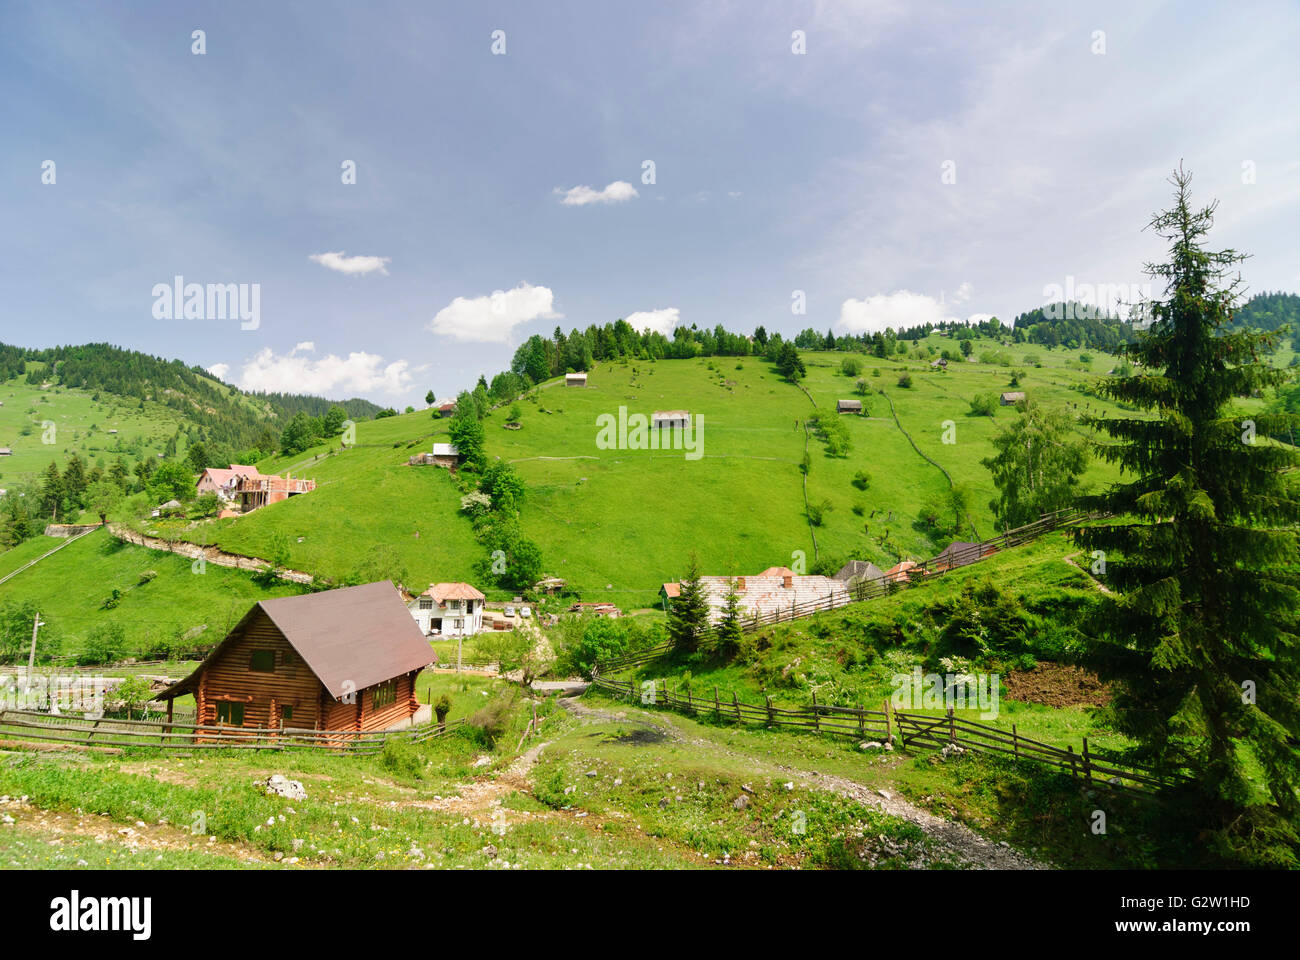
{"x": 672, "y": 590}
{"x": 442, "y": 592}
{"x": 446, "y": 450}
{"x": 351, "y": 638}
{"x": 224, "y": 475}
{"x": 959, "y": 553}
{"x": 778, "y": 572}
{"x": 859, "y": 570}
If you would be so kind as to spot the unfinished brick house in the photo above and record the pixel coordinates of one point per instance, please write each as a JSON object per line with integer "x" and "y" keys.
{"x": 259, "y": 491}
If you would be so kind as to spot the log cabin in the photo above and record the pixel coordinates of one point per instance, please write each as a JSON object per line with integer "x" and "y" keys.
{"x": 343, "y": 659}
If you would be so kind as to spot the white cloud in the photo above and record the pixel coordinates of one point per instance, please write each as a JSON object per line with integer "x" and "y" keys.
{"x": 219, "y": 370}
{"x": 664, "y": 320}
{"x": 341, "y": 263}
{"x": 897, "y": 310}
{"x": 491, "y": 319}
{"x": 620, "y": 191}
{"x": 306, "y": 346}
{"x": 358, "y": 373}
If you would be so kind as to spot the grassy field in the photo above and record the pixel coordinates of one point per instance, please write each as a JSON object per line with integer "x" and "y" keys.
{"x": 740, "y": 505}
{"x": 70, "y": 589}
{"x": 81, "y": 425}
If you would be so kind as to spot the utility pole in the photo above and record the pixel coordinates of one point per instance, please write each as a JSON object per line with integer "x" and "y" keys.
{"x": 31, "y": 657}
{"x": 460, "y": 637}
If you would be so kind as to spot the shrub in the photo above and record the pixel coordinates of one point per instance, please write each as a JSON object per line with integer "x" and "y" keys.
{"x": 905, "y": 381}
{"x": 875, "y": 371}
{"x": 862, "y": 479}
{"x": 850, "y": 366}
{"x": 105, "y": 643}
{"x": 984, "y": 405}
{"x": 147, "y": 576}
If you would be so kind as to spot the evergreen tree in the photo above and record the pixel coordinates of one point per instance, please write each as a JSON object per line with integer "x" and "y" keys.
{"x": 688, "y": 616}
{"x": 1201, "y": 638}
{"x": 51, "y": 491}
{"x": 729, "y": 632}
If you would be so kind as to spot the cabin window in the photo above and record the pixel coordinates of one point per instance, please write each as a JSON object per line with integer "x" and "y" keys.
{"x": 286, "y": 714}
{"x": 460, "y": 624}
{"x": 426, "y": 603}
{"x": 230, "y": 713}
{"x": 384, "y": 694}
{"x": 263, "y": 661}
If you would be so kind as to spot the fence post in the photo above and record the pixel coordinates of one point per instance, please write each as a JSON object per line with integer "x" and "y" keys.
{"x": 770, "y": 719}
{"x": 952, "y": 727}
{"x": 735, "y": 703}
{"x": 816, "y": 722}
{"x": 862, "y": 719}
{"x": 1015, "y": 743}
{"x": 889, "y": 726}
{"x": 717, "y": 711}
{"x": 1074, "y": 769}
{"x": 1087, "y": 762}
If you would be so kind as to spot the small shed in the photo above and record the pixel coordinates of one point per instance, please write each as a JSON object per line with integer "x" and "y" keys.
{"x": 551, "y": 585}
{"x": 1012, "y": 398}
{"x": 445, "y": 455}
{"x": 940, "y": 363}
{"x": 446, "y": 408}
{"x": 860, "y": 571}
{"x": 6, "y": 452}
{"x": 848, "y": 406}
{"x": 575, "y": 379}
{"x": 670, "y": 419}
{"x": 342, "y": 659}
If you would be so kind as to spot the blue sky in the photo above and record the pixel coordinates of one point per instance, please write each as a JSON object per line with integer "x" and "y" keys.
{"x": 477, "y": 172}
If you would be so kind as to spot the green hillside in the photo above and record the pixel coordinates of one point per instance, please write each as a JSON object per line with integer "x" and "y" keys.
{"x": 72, "y": 589}
{"x": 616, "y": 522}
{"x": 81, "y": 422}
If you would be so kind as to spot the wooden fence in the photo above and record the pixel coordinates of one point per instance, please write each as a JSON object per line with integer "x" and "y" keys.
{"x": 32, "y": 728}
{"x": 906, "y": 729}
{"x": 862, "y": 590}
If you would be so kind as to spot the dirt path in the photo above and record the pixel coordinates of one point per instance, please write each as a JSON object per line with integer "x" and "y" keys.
{"x": 953, "y": 838}
{"x": 487, "y": 793}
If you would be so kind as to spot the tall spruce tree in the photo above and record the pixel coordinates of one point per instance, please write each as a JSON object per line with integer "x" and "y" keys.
{"x": 1201, "y": 636}
{"x": 688, "y": 616}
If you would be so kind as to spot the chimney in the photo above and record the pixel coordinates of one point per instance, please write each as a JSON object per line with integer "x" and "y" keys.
{"x": 788, "y": 581}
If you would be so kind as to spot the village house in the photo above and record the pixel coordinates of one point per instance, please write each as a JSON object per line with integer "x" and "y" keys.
{"x": 848, "y": 406}
{"x": 442, "y": 455}
{"x": 775, "y": 590}
{"x": 446, "y": 408}
{"x": 959, "y": 553}
{"x": 860, "y": 571}
{"x": 940, "y": 363}
{"x": 575, "y": 379}
{"x": 448, "y": 610}
{"x": 1012, "y": 398}
{"x": 261, "y": 491}
{"x": 223, "y": 480}
{"x": 670, "y": 419}
{"x": 901, "y": 572}
{"x": 343, "y": 659}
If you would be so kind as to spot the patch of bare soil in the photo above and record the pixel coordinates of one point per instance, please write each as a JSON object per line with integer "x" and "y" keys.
{"x": 1057, "y": 685}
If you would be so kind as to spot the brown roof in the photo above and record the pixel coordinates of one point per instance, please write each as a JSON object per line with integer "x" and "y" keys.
{"x": 672, "y": 590}
{"x": 351, "y": 638}
{"x": 778, "y": 572}
{"x": 442, "y": 592}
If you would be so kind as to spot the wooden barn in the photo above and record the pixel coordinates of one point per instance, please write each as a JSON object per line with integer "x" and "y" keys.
{"x": 575, "y": 379}
{"x": 340, "y": 660}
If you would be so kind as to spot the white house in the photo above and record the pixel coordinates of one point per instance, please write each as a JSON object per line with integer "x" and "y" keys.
{"x": 448, "y": 610}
